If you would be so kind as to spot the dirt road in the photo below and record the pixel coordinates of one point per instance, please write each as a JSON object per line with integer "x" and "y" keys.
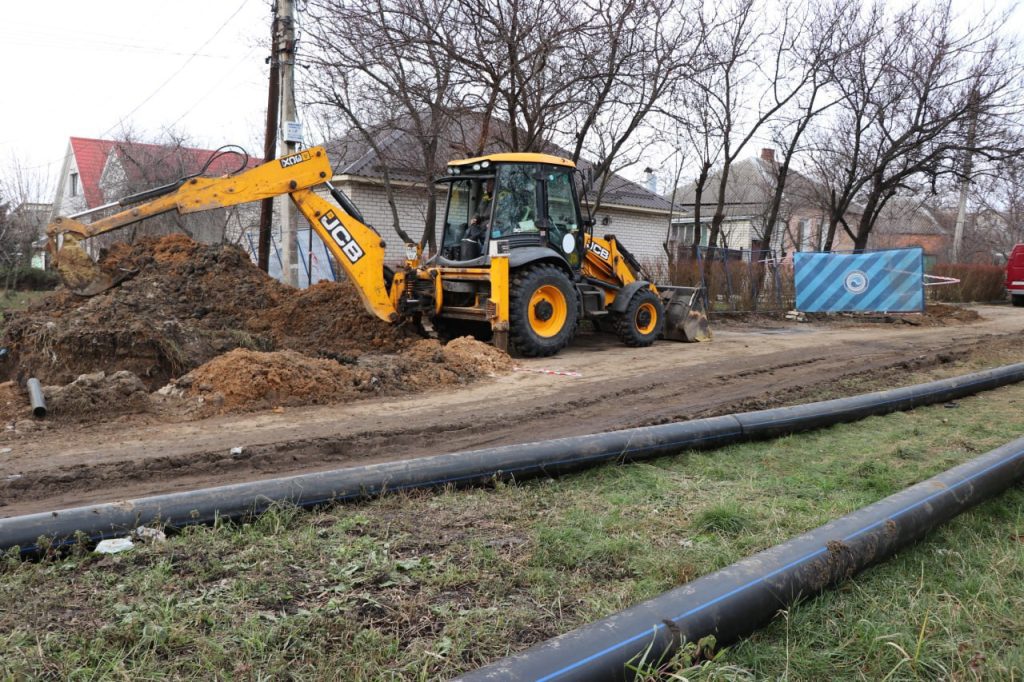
{"x": 745, "y": 367}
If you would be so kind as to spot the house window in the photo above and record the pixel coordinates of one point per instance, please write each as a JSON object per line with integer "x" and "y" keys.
{"x": 682, "y": 234}
{"x": 73, "y": 185}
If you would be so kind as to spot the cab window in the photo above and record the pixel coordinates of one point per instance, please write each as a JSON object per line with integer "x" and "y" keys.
{"x": 458, "y": 212}
{"x": 515, "y": 206}
{"x": 561, "y": 207}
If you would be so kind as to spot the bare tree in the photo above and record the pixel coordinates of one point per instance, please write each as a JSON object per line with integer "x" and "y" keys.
{"x": 998, "y": 221}
{"x": 819, "y": 39}
{"x": 25, "y": 195}
{"x": 755, "y": 54}
{"x": 384, "y": 67}
{"x": 637, "y": 53}
{"x": 910, "y": 96}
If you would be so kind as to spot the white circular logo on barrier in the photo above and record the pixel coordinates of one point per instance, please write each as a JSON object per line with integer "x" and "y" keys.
{"x": 856, "y": 282}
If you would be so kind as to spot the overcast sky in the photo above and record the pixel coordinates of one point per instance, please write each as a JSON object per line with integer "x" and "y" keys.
{"x": 89, "y": 67}
{"x": 86, "y": 68}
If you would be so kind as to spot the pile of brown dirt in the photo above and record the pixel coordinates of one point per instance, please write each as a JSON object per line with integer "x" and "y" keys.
{"x": 98, "y": 394}
{"x": 328, "y": 318}
{"x": 247, "y": 380}
{"x": 252, "y": 379}
{"x": 14, "y": 403}
{"x": 186, "y": 304}
{"x": 942, "y": 314}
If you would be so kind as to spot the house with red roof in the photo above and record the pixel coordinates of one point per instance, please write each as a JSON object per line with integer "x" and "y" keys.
{"x": 96, "y": 173}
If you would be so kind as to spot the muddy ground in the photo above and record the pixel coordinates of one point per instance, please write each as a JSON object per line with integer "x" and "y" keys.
{"x": 749, "y": 365}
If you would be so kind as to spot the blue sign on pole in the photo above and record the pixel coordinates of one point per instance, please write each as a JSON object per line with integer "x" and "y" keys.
{"x": 880, "y": 281}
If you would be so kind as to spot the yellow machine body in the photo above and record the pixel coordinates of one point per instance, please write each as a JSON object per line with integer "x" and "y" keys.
{"x": 527, "y": 288}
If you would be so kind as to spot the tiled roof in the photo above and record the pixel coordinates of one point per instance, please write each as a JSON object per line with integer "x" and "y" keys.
{"x": 91, "y": 157}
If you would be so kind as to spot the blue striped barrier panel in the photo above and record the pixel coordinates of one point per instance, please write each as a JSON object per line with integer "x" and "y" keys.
{"x": 878, "y": 281}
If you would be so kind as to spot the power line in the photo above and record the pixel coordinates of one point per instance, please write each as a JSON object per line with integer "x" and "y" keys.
{"x": 180, "y": 69}
{"x": 213, "y": 89}
{"x": 192, "y": 56}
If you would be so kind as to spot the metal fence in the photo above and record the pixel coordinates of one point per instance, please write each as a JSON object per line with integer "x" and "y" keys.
{"x": 737, "y": 280}
{"x": 314, "y": 261}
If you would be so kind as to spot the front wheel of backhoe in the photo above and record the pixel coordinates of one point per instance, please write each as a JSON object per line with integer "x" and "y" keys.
{"x": 642, "y": 321}
{"x": 543, "y": 310}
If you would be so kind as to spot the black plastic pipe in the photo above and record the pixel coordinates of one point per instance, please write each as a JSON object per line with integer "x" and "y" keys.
{"x": 101, "y": 521}
{"x": 738, "y": 599}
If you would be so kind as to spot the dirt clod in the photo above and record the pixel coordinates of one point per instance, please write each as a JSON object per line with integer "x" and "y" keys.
{"x": 98, "y": 394}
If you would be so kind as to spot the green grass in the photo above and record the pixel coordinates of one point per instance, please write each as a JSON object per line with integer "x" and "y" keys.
{"x": 426, "y": 585}
{"x": 12, "y": 300}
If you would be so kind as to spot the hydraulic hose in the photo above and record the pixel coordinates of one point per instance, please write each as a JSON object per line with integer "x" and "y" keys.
{"x": 740, "y": 598}
{"x": 96, "y": 522}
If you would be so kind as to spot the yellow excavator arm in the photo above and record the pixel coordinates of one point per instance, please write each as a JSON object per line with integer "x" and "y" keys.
{"x": 355, "y": 245}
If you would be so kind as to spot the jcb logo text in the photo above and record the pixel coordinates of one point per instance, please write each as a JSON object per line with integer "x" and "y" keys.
{"x": 349, "y": 246}
{"x": 599, "y": 250}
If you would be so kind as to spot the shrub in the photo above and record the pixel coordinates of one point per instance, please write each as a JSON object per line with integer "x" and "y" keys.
{"x": 29, "y": 279}
{"x": 977, "y": 283}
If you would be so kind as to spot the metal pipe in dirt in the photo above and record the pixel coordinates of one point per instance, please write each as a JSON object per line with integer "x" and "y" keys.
{"x": 100, "y": 521}
{"x": 36, "y": 398}
{"x": 740, "y": 598}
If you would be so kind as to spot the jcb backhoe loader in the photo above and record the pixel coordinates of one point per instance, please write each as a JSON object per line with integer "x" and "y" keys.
{"x": 518, "y": 264}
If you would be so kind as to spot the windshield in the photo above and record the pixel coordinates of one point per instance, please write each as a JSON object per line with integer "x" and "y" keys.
{"x": 515, "y": 208}
{"x": 469, "y": 213}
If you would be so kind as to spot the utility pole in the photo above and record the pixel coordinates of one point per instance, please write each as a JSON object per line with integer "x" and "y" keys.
{"x": 270, "y": 144}
{"x": 289, "y": 117}
{"x": 961, "y": 213}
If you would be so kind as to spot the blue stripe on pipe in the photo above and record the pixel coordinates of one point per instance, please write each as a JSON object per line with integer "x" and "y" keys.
{"x": 654, "y": 630}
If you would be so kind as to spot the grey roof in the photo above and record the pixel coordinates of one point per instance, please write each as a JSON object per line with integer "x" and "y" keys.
{"x": 352, "y": 155}
{"x": 750, "y": 189}
{"x": 913, "y": 214}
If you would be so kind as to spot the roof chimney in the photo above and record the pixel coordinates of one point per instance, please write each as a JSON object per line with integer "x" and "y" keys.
{"x": 768, "y": 154}
{"x": 652, "y": 180}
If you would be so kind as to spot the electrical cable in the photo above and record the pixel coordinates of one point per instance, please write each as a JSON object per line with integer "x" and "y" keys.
{"x": 180, "y": 69}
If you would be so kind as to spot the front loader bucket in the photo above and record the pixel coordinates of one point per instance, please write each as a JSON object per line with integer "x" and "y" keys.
{"x": 686, "y": 317}
{"x": 78, "y": 271}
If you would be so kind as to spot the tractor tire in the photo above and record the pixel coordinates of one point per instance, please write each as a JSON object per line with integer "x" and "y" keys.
{"x": 448, "y": 329}
{"x": 643, "y": 320}
{"x": 543, "y": 310}
{"x": 1017, "y": 300}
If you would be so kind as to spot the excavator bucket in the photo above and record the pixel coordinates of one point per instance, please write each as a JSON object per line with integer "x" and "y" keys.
{"x": 77, "y": 269}
{"x": 686, "y": 317}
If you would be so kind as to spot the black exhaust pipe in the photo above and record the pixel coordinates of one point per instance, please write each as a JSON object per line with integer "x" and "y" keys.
{"x": 102, "y": 521}
{"x": 740, "y": 598}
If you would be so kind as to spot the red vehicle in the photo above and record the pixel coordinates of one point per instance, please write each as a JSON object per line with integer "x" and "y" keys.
{"x": 1015, "y": 275}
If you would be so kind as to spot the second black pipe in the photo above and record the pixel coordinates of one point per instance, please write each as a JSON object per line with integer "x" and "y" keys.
{"x": 102, "y": 521}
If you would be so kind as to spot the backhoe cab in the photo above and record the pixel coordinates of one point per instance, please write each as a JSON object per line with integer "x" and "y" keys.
{"x": 518, "y": 263}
